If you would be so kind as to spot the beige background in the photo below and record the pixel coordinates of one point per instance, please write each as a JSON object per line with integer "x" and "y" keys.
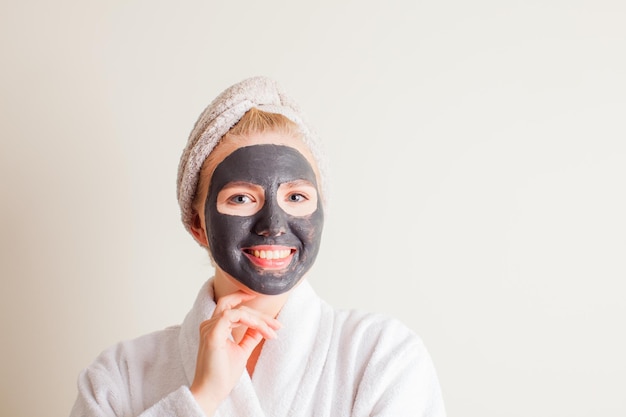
{"x": 479, "y": 160}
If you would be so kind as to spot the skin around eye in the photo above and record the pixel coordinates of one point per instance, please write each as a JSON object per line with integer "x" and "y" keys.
{"x": 298, "y": 198}
{"x": 240, "y": 199}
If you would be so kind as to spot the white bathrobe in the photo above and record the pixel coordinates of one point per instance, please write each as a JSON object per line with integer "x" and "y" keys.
{"x": 324, "y": 362}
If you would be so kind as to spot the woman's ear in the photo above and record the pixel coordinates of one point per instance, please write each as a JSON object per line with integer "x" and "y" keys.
{"x": 198, "y": 231}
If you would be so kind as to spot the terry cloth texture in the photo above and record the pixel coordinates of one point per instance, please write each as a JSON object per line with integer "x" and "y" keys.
{"x": 221, "y": 115}
{"x": 325, "y": 362}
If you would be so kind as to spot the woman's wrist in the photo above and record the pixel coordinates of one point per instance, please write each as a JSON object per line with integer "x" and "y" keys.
{"x": 206, "y": 403}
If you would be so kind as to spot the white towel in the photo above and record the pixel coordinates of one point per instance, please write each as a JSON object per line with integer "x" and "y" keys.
{"x": 324, "y": 363}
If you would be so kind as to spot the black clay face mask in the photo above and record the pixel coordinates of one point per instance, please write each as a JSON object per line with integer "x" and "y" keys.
{"x": 264, "y": 217}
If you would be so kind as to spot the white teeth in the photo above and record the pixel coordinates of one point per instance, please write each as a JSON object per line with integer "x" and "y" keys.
{"x": 272, "y": 254}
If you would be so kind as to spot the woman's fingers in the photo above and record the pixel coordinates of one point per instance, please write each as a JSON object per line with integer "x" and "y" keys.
{"x": 271, "y": 321}
{"x": 244, "y": 317}
{"x": 231, "y": 301}
{"x": 250, "y": 340}
{"x": 219, "y": 327}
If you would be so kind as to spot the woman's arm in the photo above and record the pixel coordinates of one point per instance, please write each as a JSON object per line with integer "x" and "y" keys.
{"x": 94, "y": 401}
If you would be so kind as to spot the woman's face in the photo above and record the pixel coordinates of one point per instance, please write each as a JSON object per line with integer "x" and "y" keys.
{"x": 263, "y": 214}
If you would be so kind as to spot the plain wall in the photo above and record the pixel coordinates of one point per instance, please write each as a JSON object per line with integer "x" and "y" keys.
{"x": 478, "y": 154}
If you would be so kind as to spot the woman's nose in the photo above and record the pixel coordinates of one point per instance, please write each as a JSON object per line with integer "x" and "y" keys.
{"x": 272, "y": 221}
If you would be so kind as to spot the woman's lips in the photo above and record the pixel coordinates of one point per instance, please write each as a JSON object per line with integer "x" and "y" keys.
{"x": 270, "y": 256}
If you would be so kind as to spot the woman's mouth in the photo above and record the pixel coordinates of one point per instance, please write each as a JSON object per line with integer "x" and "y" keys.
{"x": 270, "y": 257}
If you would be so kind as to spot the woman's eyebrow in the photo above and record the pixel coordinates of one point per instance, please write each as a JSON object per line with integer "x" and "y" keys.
{"x": 297, "y": 183}
{"x": 234, "y": 184}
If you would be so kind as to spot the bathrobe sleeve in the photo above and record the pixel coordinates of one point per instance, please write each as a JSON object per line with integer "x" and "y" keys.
{"x": 399, "y": 378}
{"x": 109, "y": 403}
{"x": 138, "y": 378}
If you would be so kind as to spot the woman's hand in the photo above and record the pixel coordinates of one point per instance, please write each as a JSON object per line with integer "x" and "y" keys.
{"x": 221, "y": 360}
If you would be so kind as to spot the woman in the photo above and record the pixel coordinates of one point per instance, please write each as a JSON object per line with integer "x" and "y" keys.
{"x": 258, "y": 341}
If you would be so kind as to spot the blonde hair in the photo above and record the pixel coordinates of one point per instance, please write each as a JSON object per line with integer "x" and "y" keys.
{"x": 259, "y": 121}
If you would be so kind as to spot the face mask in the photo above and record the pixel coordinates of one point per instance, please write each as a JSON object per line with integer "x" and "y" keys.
{"x": 264, "y": 217}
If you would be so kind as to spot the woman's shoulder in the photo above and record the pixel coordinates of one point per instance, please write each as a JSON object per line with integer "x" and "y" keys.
{"x": 389, "y": 364}
{"x": 375, "y": 329}
{"x": 148, "y": 348}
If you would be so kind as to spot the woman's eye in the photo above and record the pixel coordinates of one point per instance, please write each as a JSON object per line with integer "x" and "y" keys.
{"x": 296, "y": 198}
{"x": 240, "y": 199}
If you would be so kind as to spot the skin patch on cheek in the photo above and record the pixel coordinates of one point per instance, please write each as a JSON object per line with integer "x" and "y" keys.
{"x": 270, "y": 250}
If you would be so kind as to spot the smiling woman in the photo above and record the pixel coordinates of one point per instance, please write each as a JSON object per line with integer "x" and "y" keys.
{"x": 259, "y": 341}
